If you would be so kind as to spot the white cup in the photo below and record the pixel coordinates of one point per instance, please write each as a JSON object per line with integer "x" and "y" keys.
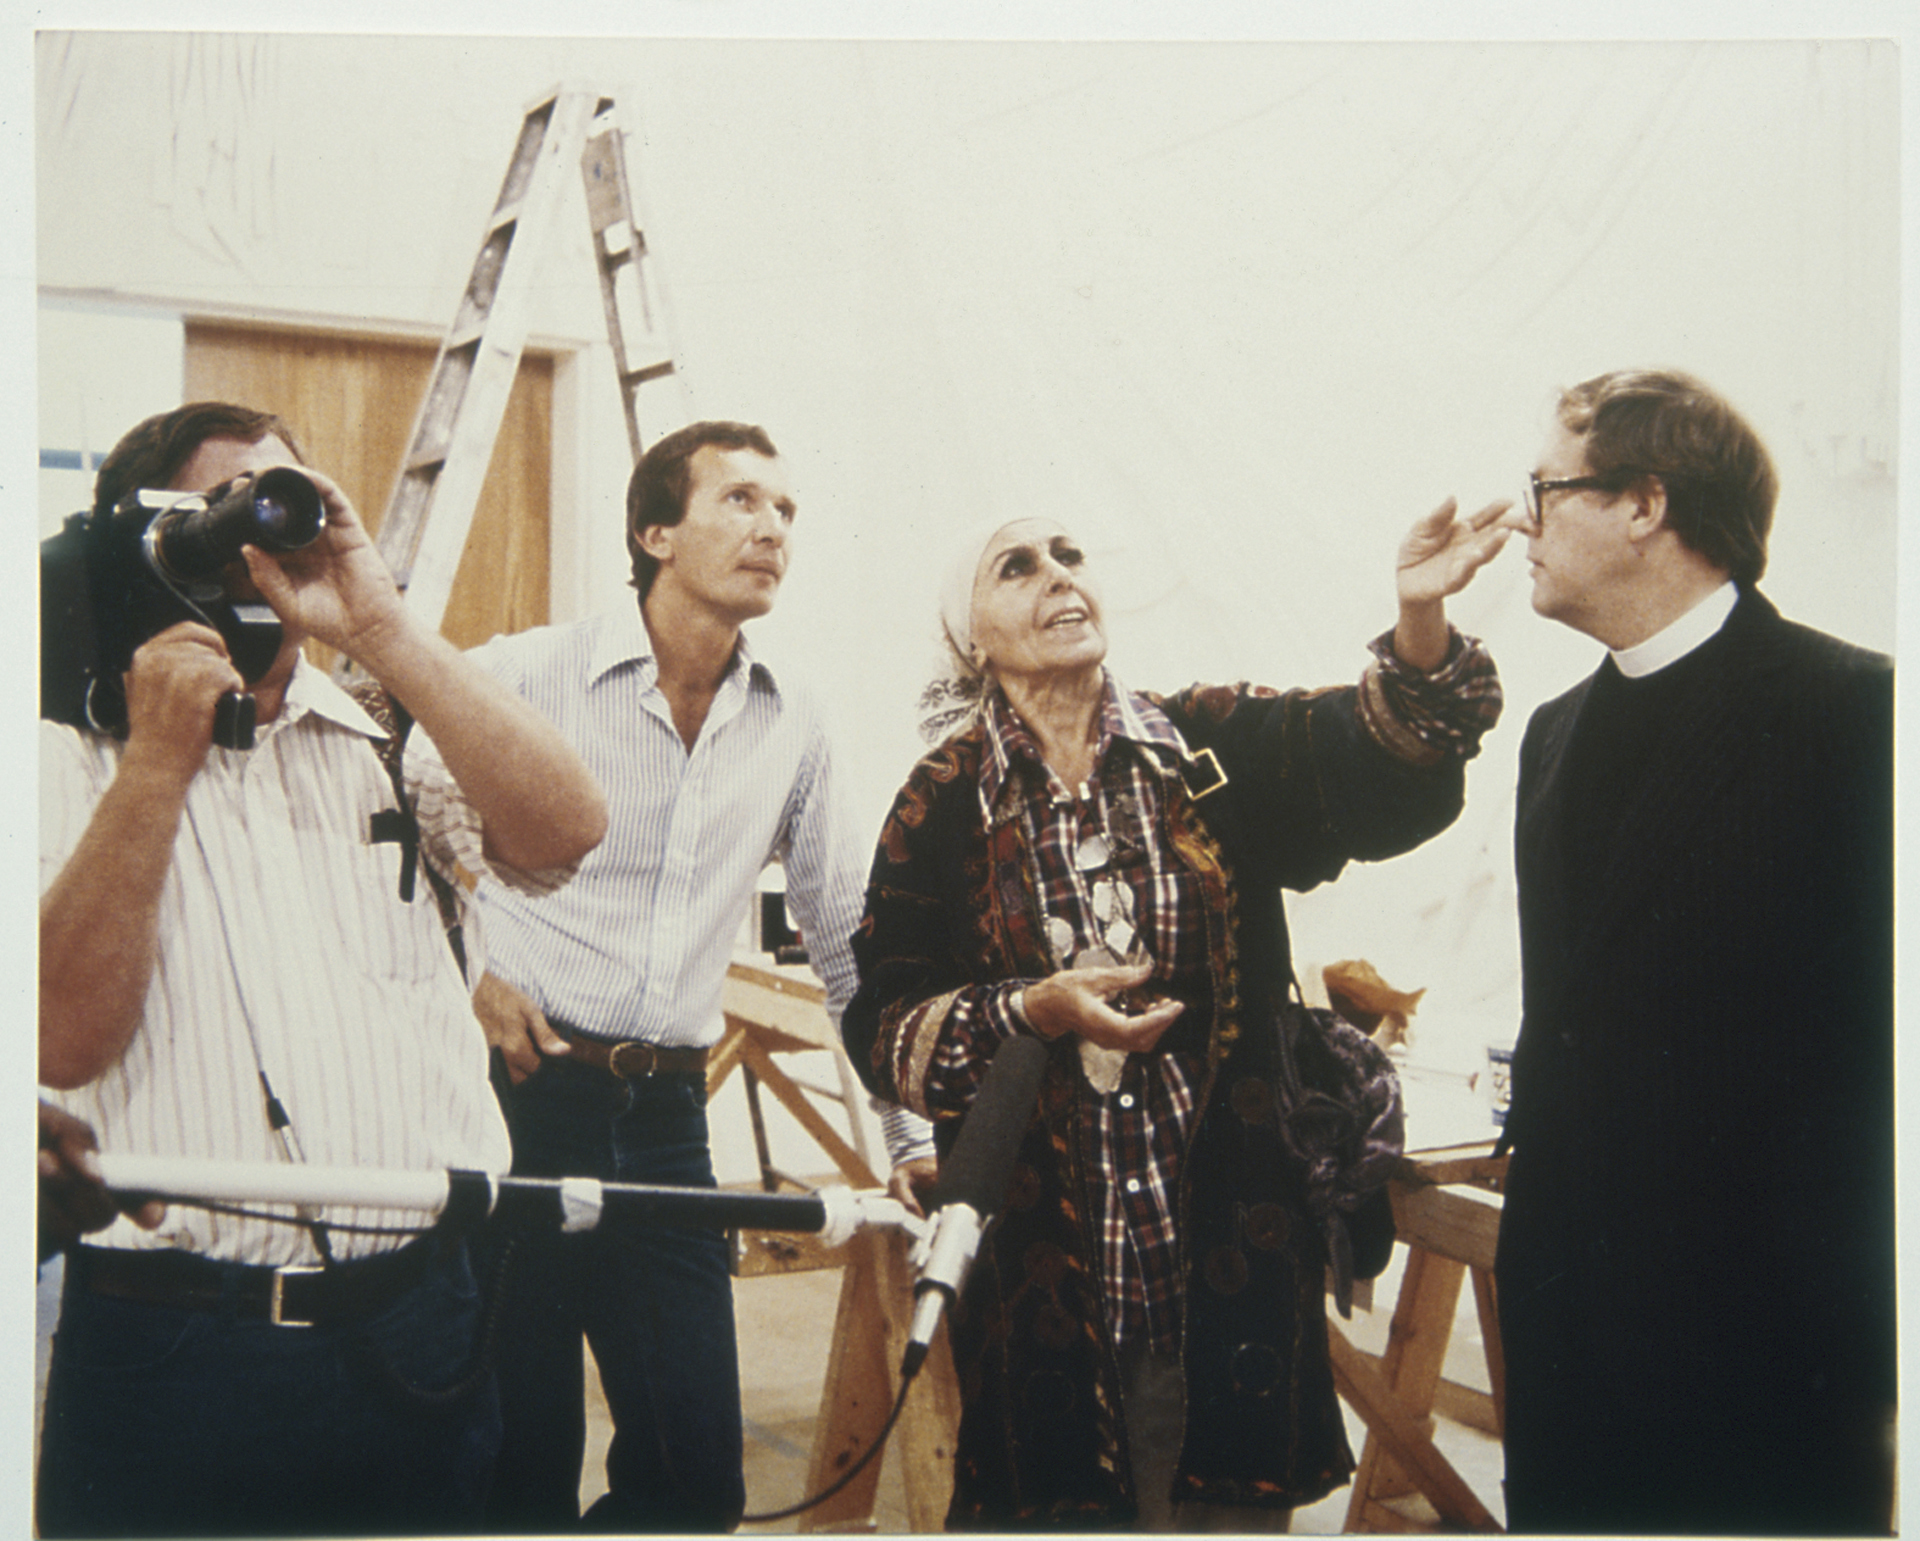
{"x": 1499, "y": 1081}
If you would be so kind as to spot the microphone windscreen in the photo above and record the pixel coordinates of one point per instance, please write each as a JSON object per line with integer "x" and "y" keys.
{"x": 981, "y": 1164}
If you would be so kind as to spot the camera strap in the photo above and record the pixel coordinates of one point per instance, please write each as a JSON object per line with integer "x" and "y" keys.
{"x": 401, "y": 824}
{"x": 279, "y": 1121}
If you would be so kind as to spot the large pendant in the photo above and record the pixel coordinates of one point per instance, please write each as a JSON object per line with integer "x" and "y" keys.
{"x": 1102, "y": 1067}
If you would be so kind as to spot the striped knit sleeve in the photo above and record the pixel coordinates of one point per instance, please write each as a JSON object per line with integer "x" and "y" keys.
{"x": 1424, "y": 717}
{"x": 907, "y": 1135}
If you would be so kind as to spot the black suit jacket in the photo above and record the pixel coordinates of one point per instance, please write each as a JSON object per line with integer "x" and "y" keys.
{"x": 1697, "y": 1240}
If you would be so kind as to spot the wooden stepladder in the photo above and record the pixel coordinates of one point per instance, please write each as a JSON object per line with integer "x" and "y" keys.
{"x": 428, "y": 517}
{"x": 636, "y": 314}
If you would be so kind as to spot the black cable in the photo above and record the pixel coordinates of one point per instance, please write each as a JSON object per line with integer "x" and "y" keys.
{"x": 243, "y": 1212}
{"x": 879, "y": 1444}
{"x": 493, "y": 1296}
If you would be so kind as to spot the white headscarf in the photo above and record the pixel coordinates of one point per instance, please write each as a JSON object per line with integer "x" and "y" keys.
{"x": 953, "y": 696}
{"x": 962, "y": 573}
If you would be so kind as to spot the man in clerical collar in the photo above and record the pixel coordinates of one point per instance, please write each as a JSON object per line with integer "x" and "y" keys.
{"x": 1696, "y": 1256}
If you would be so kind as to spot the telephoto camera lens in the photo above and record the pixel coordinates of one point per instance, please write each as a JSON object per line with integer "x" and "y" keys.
{"x": 279, "y": 510}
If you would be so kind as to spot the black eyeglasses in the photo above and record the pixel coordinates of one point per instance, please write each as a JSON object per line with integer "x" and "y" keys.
{"x": 1539, "y": 486}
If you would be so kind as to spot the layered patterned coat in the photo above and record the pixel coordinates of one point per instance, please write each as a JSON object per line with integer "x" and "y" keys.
{"x": 1309, "y": 784}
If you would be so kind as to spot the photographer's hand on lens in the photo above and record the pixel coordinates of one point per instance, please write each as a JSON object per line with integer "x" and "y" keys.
{"x": 337, "y": 590}
{"x": 1076, "y": 1001}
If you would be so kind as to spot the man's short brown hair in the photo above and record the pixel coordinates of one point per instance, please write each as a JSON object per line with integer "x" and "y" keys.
{"x": 151, "y": 453}
{"x": 1719, "y": 478}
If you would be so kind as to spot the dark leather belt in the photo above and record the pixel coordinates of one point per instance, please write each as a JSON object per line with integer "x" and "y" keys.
{"x": 287, "y": 1297}
{"x": 632, "y": 1061}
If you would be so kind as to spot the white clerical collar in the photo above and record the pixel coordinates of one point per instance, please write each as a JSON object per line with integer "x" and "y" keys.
{"x": 1678, "y": 639}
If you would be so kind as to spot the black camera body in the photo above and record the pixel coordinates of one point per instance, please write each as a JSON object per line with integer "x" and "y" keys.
{"x": 111, "y": 580}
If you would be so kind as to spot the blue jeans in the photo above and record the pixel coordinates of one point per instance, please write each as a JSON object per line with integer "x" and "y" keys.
{"x": 178, "y": 1422}
{"x": 655, "y": 1304}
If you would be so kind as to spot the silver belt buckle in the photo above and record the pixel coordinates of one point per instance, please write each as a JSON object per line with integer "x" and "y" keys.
{"x": 277, "y": 1303}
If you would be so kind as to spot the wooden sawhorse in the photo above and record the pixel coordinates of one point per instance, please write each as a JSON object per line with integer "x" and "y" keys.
{"x": 1446, "y": 1208}
{"x": 769, "y": 1012}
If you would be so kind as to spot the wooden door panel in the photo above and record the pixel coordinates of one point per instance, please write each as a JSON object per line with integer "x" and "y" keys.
{"x": 352, "y": 401}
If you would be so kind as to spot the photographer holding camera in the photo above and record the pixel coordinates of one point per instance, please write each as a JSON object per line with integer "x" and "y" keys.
{"x": 235, "y": 964}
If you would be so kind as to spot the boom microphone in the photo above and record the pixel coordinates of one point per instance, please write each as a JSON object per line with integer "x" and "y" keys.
{"x": 565, "y": 1203}
{"x": 973, "y": 1183}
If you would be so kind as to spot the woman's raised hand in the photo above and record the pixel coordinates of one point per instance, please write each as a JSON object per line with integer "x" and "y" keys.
{"x": 1439, "y": 557}
{"x": 1442, "y": 551}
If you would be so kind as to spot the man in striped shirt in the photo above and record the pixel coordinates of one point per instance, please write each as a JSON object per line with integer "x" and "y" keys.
{"x": 232, "y": 967}
{"x": 605, "y": 998}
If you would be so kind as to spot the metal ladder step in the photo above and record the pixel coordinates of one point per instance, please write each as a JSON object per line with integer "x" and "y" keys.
{"x": 428, "y": 516}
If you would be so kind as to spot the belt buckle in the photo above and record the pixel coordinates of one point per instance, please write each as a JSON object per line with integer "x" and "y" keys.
{"x": 276, "y": 1305}
{"x": 631, "y": 1060}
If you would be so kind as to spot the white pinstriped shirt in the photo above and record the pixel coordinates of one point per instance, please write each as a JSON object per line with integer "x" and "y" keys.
{"x": 637, "y": 946}
{"x": 278, "y": 909}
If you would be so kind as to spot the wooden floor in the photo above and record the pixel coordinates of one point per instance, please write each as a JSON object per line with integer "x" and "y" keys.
{"x": 784, "y": 1323}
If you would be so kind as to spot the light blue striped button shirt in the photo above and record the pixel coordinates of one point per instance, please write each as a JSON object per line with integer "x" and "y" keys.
{"x": 637, "y": 946}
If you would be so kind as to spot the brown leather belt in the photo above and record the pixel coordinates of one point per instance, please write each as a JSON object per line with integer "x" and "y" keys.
{"x": 287, "y": 1297}
{"x": 632, "y": 1061}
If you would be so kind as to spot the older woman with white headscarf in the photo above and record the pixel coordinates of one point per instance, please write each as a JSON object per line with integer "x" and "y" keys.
{"x": 1143, "y": 1336}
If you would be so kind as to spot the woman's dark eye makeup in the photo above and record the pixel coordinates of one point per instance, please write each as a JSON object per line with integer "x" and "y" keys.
{"x": 1021, "y": 560}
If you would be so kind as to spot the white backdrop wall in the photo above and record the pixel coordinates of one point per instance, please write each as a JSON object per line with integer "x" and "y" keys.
{"x": 1236, "y": 311}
